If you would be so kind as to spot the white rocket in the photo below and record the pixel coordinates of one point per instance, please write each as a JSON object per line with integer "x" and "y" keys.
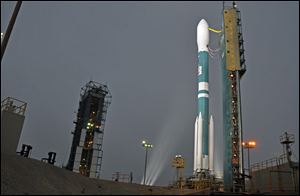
{"x": 204, "y": 129}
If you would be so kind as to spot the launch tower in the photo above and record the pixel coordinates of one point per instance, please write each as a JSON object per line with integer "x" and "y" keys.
{"x": 233, "y": 68}
{"x": 86, "y": 151}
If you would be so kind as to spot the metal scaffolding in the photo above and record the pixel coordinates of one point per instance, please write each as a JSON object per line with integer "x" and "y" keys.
{"x": 233, "y": 68}
{"x": 86, "y": 151}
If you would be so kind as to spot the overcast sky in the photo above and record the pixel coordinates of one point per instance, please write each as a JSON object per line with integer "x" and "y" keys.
{"x": 146, "y": 53}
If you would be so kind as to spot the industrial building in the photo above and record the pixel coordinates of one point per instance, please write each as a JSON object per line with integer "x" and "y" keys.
{"x": 86, "y": 150}
{"x": 12, "y": 120}
{"x": 277, "y": 174}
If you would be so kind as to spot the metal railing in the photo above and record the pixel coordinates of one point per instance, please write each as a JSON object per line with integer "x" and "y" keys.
{"x": 272, "y": 162}
{"x": 118, "y": 177}
{"x": 13, "y": 105}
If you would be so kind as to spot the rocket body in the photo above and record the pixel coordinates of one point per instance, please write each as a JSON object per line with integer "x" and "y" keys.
{"x": 203, "y": 146}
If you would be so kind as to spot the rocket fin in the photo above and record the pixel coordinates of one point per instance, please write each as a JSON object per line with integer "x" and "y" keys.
{"x": 200, "y": 131}
{"x": 196, "y": 144}
{"x": 211, "y": 143}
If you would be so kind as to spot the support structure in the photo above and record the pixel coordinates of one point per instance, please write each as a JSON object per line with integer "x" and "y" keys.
{"x": 233, "y": 68}
{"x": 50, "y": 159}
{"x": 178, "y": 163}
{"x": 25, "y": 150}
{"x": 287, "y": 140}
{"x": 86, "y": 151}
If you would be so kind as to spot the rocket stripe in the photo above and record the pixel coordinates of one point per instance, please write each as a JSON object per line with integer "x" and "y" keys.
{"x": 203, "y": 95}
{"x": 203, "y": 91}
{"x": 202, "y": 86}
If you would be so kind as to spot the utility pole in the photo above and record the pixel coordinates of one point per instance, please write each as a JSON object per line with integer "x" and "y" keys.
{"x": 146, "y": 145}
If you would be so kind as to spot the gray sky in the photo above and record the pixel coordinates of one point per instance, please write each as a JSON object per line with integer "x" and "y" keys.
{"x": 146, "y": 52}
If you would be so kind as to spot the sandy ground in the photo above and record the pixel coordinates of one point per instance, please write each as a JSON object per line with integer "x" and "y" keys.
{"x": 20, "y": 175}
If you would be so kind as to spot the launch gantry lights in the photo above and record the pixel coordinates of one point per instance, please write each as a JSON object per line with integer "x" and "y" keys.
{"x": 146, "y": 145}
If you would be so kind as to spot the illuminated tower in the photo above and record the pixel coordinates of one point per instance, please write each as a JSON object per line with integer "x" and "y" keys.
{"x": 233, "y": 68}
{"x": 86, "y": 151}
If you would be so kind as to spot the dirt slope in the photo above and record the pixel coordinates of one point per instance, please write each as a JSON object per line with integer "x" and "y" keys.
{"x": 21, "y": 175}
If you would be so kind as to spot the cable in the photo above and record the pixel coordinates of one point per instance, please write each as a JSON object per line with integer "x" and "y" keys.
{"x": 214, "y": 30}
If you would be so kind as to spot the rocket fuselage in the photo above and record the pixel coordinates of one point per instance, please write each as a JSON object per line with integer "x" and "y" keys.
{"x": 203, "y": 148}
{"x": 203, "y": 97}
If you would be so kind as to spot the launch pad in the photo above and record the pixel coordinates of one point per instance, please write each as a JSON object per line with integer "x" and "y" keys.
{"x": 233, "y": 68}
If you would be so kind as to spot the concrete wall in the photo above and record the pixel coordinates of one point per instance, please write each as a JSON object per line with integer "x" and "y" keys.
{"x": 11, "y": 128}
{"x": 275, "y": 179}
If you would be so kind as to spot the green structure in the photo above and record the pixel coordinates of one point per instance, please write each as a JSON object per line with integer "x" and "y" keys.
{"x": 233, "y": 68}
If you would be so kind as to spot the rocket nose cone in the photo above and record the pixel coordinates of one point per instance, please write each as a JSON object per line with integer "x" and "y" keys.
{"x": 202, "y": 35}
{"x": 202, "y": 23}
{"x": 202, "y": 26}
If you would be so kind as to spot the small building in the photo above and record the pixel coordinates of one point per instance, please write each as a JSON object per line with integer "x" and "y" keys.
{"x": 12, "y": 120}
{"x": 275, "y": 175}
